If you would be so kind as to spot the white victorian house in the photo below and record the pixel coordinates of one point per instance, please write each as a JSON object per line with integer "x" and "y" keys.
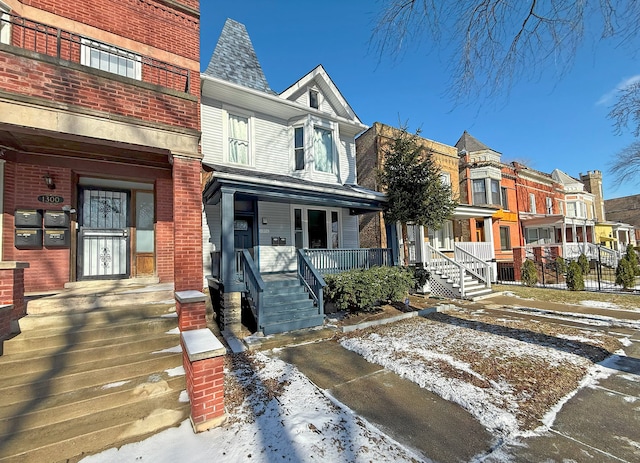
{"x": 281, "y": 200}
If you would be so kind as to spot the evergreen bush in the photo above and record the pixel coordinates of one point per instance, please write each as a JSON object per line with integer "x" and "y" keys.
{"x": 632, "y": 256}
{"x": 584, "y": 264}
{"x": 529, "y": 273}
{"x": 561, "y": 265}
{"x": 625, "y": 274}
{"x": 575, "y": 278}
{"x": 361, "y": 290}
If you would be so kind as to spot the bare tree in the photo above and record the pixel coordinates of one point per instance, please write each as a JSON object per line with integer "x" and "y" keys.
{"x": 494, "y": 43}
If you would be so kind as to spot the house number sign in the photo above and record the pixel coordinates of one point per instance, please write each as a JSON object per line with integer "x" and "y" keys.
{"x": 50, "y": 199}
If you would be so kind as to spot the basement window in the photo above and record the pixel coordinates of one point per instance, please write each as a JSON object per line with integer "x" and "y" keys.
{"x": 111, "y": 59}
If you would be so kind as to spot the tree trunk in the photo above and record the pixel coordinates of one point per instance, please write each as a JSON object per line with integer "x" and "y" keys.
{"x": 405, "y": 243}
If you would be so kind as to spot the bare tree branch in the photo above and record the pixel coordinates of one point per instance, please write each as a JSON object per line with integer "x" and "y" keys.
{"x": 625, "y": 167}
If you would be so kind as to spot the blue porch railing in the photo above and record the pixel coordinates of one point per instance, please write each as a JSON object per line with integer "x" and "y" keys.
{"x": 340, "y": 260}
{"x": 254, "y": 282}
{"x": 311, "y": 279}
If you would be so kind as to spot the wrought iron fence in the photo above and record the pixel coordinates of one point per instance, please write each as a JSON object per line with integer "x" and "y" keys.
{"x": 53, "y": 41}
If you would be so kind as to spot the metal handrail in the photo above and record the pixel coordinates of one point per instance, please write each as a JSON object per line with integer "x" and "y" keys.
{"x": 254, "y": 282}
{"x": 53, "y": 41}
{"x": 311, "y": 278}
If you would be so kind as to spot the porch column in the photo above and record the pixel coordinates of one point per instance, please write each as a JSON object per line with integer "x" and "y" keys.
{"x": 227, "y": 262}
{"x": 584, "y": 238}
{"x": 420, "y": 250}
{"x": 488, "y": 236}
{"x": 574, "y": 230}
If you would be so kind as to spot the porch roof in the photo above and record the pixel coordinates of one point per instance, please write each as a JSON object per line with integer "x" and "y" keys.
{"x": 284, "y": 188}
{"x": 467, "y": 211}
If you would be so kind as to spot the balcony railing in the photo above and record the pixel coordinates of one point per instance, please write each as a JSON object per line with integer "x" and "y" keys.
{"x": 53, "y": 41}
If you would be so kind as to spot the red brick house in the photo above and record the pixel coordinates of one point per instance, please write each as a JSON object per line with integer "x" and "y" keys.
{"x": 99, "y": 141}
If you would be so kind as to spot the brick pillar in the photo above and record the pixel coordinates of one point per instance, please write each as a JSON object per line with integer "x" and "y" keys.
{"x": 519, "y": 256}
{"x": 12, "y": 290}
{"x": 203, "y": 358}
{"x": 191, "y": 310}
{"x": 187, "y": 227}
{"x": 537, "y": 254}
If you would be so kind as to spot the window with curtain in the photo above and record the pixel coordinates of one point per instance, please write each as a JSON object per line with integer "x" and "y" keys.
{"x": 238, "y": 139}
{"x": 549, "y": 206}
{"x": 505, "y": 239}
{"x": 323, "y": 149}
{"x": 532, "y": 203}
{"x": 505, "y": 199}
{"x": 111, "y": 59}
{"x": 479, "y": 192}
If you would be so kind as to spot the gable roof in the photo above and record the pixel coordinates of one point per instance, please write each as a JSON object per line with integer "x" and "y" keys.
{"x": 319, "y": 77}
{"x": 571, "y": 184}
{"x": 235, "y": 60}
{"x": 470, "y": 144}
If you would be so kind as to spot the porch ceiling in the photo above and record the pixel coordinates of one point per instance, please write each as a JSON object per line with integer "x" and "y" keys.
{"x": 282, "y": 188}
{"x": 17, "y": 142}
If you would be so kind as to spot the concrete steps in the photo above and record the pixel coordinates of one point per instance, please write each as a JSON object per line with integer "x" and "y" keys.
{"x": 88, "y": 375}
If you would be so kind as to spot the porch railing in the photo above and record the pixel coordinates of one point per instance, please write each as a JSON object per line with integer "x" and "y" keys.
{"x": 477, "y": 267}
{"x": 449, "y": 268}
{"x": 216, "y": 265}
{"x": 255, "y": 283}
{"x": 311, "y": 278}
{"x": 340, "y": 260}
{"x": 481, "y": 250}
{"x": 53, "y": 41}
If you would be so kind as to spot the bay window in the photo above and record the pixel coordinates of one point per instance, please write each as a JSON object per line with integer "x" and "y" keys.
{"x": 323, "y": 149}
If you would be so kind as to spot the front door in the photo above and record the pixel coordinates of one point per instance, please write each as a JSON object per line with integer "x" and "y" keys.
{"x": 103, "y": 238}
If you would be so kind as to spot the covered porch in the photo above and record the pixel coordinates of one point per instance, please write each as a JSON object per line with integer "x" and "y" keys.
{"x": 575, "y": 235}
{"x": 264, "y": 224}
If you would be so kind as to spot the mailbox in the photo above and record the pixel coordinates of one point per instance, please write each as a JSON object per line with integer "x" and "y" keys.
{"x": 56, "y": 219}
{"x": 28, "y": 218}
{"x": 28, "y": 238}
{"x": 56, "y": 238}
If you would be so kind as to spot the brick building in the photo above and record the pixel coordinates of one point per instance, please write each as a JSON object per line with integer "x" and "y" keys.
{"x": 99, "y": 140}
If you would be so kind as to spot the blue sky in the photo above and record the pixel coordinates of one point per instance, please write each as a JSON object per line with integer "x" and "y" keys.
{"x": 550, "y": 122}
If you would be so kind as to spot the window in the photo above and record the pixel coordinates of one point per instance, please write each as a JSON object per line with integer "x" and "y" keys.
{"x": 297, "y": 228}
{"x": 549, "y": 205}
{"x": 335, "y": 230}
{"x": 576, "y": 209}
{"x": 505, "y": 239}
{"x": 323, "y": 149}
{"x": 442, "y": 238}
{"x": 505, "y": 199}
{"x": 313, "y": 99}
{"x": 316, "y": 228}
{"x": 5, "y": 25}
{"x": 111, "y": 59}
{"x": 479, "y": 192}
{"x": 445, "y": 178}
{"x": 532, "y": 203}
{"x": 238, "y": 139}
{"x": 298, "y": 148}
{"x": 495, "y": 192}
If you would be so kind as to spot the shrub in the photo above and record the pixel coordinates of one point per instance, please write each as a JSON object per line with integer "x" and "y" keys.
{"x": 575, "y": 279}
{"x": 632, "y": 256}
{"x": 529, "y": 273}
{"x": 361, "y": 290}
{"x": 583, "y": 262}
{"x": 625, "y": 275}
{"x": 420, "y": 276}
{"x": 561, "y": 265}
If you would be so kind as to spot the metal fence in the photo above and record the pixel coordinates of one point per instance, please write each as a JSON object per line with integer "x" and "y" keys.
{"x": 551, "y": 274}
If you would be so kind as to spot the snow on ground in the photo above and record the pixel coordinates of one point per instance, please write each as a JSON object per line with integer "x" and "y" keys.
{"x": 416, "y": 349}
{"x": 297, "y": 424}
{"x": 599, "y": 304}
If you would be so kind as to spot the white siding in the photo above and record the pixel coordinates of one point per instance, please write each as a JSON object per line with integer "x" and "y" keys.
{"x": 350, "y": 230}
{"x": 275, "y": 258}
{"x": 210, "y": 237}
{"x": 211, "y": 142}
{"x": 272, "y": 139}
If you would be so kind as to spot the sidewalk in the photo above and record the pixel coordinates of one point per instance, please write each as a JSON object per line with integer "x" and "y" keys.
{"x": 598, "y": 424}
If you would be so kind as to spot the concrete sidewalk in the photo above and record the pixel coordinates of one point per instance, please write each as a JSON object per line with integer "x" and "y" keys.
{"x": 599, "y": 424}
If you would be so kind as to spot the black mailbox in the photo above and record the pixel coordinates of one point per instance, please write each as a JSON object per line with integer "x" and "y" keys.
{"x": 28, "y": 218}
{"x": 275, "y": 241}
{"x": 56, "y": 238}
{"x": 57, "y": 219}
{"x": 282, "y": 241}
{"x": 28, "y": 238}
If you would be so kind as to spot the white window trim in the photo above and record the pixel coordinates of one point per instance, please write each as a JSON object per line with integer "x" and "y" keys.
{"x": 5, "y": 28}
{"x": 230, "y": 110}
{"x": 532, "y": 203}
{"x": 305, "y": 146}
{"x": 326, "y": 125}
{"x": 85, "y": 56}
{"x": 305, "y": 224}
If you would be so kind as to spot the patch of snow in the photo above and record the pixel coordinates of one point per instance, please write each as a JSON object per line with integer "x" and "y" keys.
{"x": 174, "y": 349}
{"x": 177, "y": 371}
{"x": 599, "y": 304}
{"x": 113, "y": 385}
{"x": 300, "y": 424}
{"x": 170, "y": 315}
{"x": 184, "y": 397}
{"x": 175, "y": 330}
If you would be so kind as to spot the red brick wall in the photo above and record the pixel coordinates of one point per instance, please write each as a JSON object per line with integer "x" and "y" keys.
{"x": 29, "y": 77}
{"x": 12, "y": 292}
{"x": 149, "y": 22}
{"x": 205, "y": 386}
{"x": 187, "y": 207}
{"x": 164, "y": 230}
{"x": 49, "y": 267}
{"x": 541, "y": 191}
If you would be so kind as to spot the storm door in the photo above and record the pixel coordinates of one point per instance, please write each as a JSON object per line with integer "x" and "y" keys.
{"x": 103, "y": 239}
